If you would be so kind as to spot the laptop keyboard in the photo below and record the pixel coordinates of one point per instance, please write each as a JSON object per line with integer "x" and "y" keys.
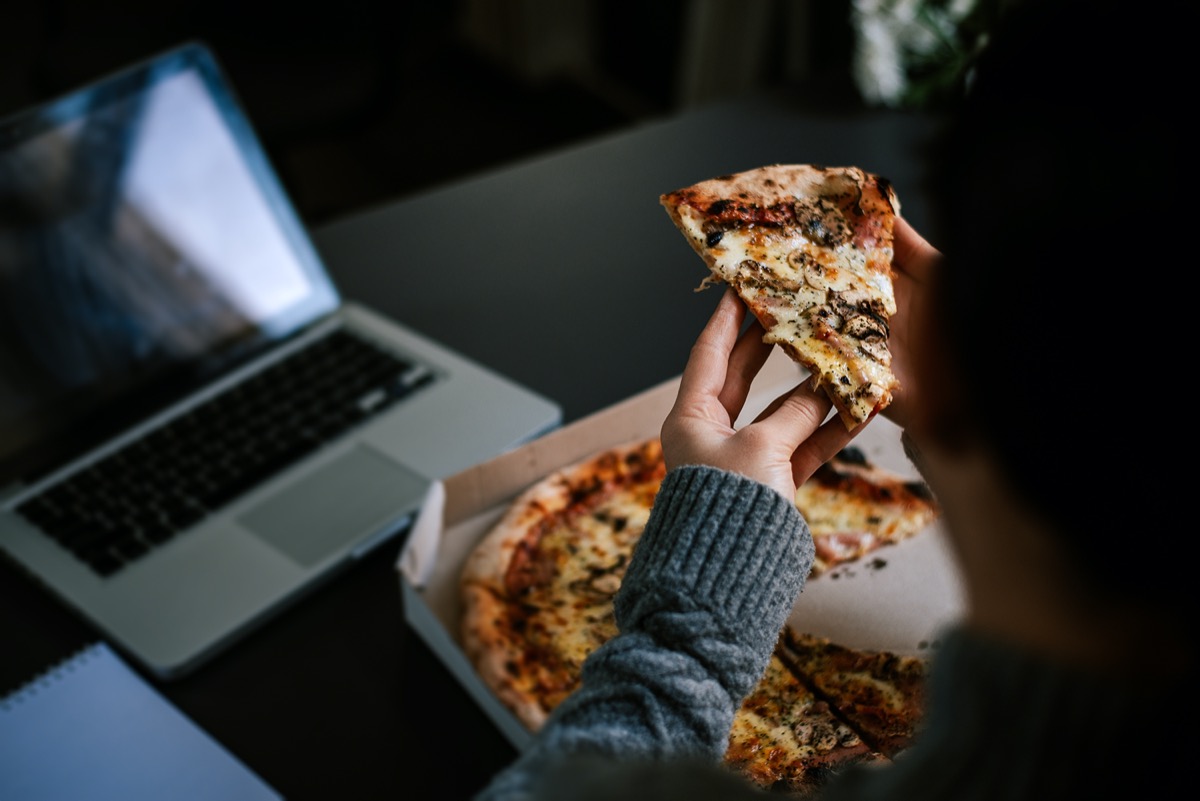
{"x": 120, "y": 508}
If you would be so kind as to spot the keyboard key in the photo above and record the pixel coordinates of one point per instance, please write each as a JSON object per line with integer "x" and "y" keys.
{"x": 120, "y": 508}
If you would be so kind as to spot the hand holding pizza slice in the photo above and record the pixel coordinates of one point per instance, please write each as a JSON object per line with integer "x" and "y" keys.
{"x": 809, "y": 250}
{"x": 782, "y": 447}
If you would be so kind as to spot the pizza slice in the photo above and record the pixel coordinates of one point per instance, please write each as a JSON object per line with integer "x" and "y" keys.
{"x": 809, "y": 251}
{"x": 878, "y": 694}
{"x": 854, "y": 507}
{"x": 787, "y": 740}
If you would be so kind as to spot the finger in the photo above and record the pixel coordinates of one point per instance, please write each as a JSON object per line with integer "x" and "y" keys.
{"x": 748, "y": 356}
{"x": 912, "y": 254}
{"x": 772, "y": 407}
{"x": 704, "y": 374}
{"x": 792, "y": 418}
{"x": 822, "y": 446}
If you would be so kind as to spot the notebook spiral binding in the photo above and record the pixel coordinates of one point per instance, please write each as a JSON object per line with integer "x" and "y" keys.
{"x": 47, "y": 678}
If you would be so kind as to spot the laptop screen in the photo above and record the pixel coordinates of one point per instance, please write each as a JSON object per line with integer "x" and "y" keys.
{"x": 144, "y": 245}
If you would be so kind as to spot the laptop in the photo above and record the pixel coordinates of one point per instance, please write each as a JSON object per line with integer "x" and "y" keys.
{"x": 195, "y": 428}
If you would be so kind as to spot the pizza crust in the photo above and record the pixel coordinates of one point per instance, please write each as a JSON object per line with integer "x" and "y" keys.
{"x": 488, "y": 562}
{"x": 487, "y": 634}
{"x": 497, "y": 656}
{"x": 505, "y": 562}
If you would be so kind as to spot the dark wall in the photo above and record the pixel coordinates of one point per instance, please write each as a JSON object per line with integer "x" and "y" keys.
{"x": 357, "y": 101}
{"x": 361, "y": 101}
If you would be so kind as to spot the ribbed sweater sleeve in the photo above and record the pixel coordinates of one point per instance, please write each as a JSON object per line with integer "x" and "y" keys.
{"x": 711, "y": 582}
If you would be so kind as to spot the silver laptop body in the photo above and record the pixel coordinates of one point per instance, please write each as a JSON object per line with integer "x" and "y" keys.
{"x": 151, "y": 263}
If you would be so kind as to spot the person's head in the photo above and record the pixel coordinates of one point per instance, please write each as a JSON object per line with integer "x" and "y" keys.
{"x": 1062, "y": 200}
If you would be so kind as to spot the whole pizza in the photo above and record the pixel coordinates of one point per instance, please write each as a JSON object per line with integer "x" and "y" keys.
{"x": 538, "y": 595}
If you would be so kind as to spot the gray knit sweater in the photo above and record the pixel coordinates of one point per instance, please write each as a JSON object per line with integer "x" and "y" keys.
{"x": 715, "y": 573}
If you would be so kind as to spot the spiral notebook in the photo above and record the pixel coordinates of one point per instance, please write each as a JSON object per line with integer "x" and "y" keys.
{"x": 92, "y": 728}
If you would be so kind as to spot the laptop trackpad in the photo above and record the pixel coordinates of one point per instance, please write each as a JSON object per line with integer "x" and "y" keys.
{"x": 351, "y": 497}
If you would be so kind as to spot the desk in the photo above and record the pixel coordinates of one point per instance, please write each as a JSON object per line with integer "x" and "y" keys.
{"x": 561, "y": 271}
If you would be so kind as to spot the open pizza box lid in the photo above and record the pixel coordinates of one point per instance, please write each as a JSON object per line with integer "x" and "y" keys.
{"x": 897, "y": 599}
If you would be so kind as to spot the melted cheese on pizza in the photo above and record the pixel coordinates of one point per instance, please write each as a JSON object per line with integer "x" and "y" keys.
{"x": 807, "y": 251}
{"x": 853, "y": 508}
{"x": 783, "y": 737}
{"x": 540, "y": 591}
{"x": 879, "y": 693}
{"x": 570, "y": 612}
{"x": 803, "y": 294}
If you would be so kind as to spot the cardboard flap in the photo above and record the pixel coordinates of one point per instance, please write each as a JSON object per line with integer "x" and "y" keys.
{"x": 420, "y": 551}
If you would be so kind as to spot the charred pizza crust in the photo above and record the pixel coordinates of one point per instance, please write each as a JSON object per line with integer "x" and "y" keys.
{"x": 809, "y": 250}
{"x": 537, "y": 590}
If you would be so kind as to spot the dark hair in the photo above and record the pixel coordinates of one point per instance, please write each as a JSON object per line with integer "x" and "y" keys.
{"x": 1062, "y": 199}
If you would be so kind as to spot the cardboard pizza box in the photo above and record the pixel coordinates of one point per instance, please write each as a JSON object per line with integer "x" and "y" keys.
{"x": 898, "y": 598}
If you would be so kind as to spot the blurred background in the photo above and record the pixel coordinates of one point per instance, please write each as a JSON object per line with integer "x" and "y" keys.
{"x": 362, "y": 101}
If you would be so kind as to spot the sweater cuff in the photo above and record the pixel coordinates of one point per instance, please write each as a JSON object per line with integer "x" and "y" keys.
{"x": 719, "y": 541}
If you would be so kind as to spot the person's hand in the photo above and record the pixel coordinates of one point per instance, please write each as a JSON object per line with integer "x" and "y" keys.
{"x": 783, "y": 446}
{"x": 914, "y": 260}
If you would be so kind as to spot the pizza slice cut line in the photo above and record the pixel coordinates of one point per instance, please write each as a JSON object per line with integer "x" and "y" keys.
{"x": 879, "y": 695}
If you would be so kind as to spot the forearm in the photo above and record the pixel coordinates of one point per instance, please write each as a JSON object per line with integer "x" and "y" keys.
{"x": 710, "y": 585}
